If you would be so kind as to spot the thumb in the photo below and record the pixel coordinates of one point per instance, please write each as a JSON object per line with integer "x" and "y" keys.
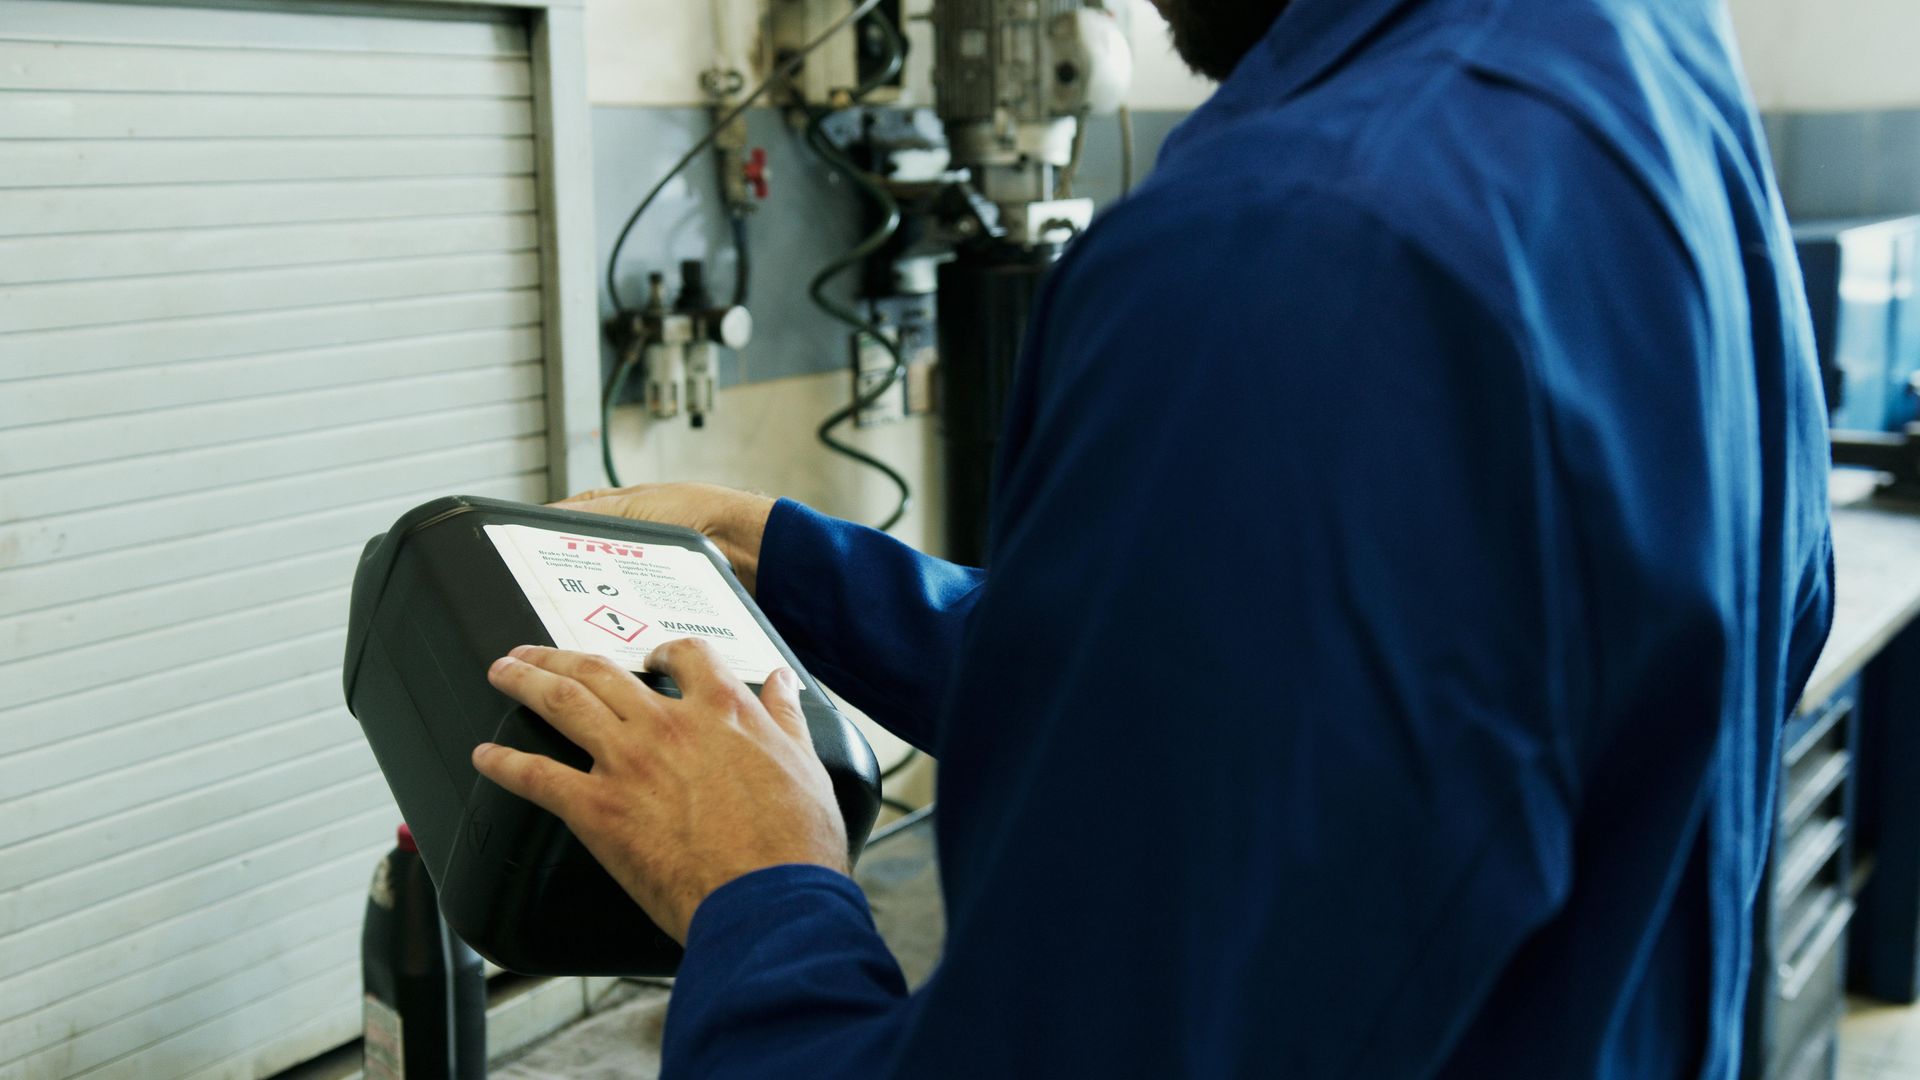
{"x": 780, "y": 696}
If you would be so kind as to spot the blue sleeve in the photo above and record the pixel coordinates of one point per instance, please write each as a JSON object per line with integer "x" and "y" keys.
{"x": 868, "y": 615}
{"x": 1232, "y": 748}
{"x": 789, "y": 974}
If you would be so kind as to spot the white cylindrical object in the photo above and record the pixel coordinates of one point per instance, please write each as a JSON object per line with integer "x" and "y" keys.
{"x": 666, "y": 370}
{"x": 734, "y": 327}
{"x": 703, "y": 373}
{"x": 1092, "y": 41}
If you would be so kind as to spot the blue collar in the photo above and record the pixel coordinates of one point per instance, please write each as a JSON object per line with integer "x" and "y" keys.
{"x": 1310, "y": 39}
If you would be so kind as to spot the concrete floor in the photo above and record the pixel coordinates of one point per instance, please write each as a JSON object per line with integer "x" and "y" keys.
{"x": 1880, "y": 1042}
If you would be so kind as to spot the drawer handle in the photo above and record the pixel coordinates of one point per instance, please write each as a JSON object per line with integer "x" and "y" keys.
{"x": 1826, "y": 779}
{"x": 1795, "y": 977}
{"x": 1806, "y": 742}
{"x": 1809, "y": 854}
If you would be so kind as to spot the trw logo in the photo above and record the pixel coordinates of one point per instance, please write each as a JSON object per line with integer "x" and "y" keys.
{"x": 625, "y": 551}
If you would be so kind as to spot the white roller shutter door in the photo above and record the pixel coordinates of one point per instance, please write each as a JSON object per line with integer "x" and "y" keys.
{"x": 267, "y": 278}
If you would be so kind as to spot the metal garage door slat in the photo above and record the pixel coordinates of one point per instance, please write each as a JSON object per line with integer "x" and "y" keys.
{"x": 49, "y": 539}
{"x": 133, "y": 390}
{"x": 75, "y": 115}
{"x": 198, "y": 742}
{"x": 196, "y": 1052}
{"x": 30, "y": 163}
{"x": 41, "y": 211}
{"x": 140, "y": 785}
{"x": 60, "y": 674}
{"x": 419, "y": 32}
{"x": 151, "y": 760}
{"x": 128, "y": 1035}
{"x": 135, "y": 914}
{"x": 68, "y": 65}
{"x": 33, "y": 588}
{"x": 67, "y": 304}
{"x": 32, "y": 448}
{"x": 86, "y": 487}
{"x": 77, "y": 993}
{"x": 78, "y": 626}
{"x": 116, "y": 834}
{"x": 206, "y": 846}
{"x": 177, "y": 251}
{"x": 98, "y": 348}
{"x": 187, "y": 851}
{"x": 114, "y": 703}
{"x": 186, "y": 974}
{"x": 144, "y": 943}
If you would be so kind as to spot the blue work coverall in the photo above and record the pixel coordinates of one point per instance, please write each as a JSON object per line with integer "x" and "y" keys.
{"x": 1409, "y": 538}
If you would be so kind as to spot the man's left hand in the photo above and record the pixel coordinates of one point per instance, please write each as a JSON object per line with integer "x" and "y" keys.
{"x": 684, "y": 796}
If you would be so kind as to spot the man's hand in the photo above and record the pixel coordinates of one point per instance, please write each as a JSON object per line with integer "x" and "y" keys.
{"x": 684, "y": 796}
{"x": 734, "y": 520}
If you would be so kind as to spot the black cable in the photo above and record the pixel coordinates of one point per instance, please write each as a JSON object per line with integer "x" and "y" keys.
{"x": 896, "y": 805}
{"x": 895, "y": 769}
{"x": 896, "y": 56}
{"x": 901, "y": 825}
{"x": 871, "y": 243}
{"x": 742, "y": 262}
{"x": 780, "y": 74}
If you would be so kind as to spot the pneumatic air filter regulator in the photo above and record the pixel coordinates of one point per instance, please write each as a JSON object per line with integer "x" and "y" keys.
{"x": 681, "y": 344}
{"x": 703, "y": 366}
{"x": 709, "y": 327}
{"x": 667, "y": 334}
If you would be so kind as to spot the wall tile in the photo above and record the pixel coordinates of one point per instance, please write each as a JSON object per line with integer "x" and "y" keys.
{"x": 1897, "y": 178}
{"x": 1827, "y": 170}
{"x": 1847, "y": 164}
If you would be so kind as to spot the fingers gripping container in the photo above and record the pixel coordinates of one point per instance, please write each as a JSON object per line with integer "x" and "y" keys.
{"x": 451, "y": 587}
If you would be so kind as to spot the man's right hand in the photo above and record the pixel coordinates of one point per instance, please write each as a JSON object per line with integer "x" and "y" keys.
{"x": 734, "y": 520}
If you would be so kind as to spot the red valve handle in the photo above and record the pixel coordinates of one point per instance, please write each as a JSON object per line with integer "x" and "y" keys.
{"x": 755, "y": 170}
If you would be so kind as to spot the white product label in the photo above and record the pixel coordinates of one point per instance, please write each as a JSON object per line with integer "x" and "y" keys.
{"x": 383, "y": 1048}
{"x": 622, "y": 600}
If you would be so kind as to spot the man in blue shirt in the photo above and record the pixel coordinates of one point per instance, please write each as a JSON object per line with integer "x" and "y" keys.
{"x": 1409, "y": 538}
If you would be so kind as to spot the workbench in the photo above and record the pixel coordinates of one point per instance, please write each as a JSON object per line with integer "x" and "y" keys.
{"x": 1876, "y": 640}
{"x": 1876, "y": 554}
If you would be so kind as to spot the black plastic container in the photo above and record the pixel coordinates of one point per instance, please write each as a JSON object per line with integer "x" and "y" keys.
{"x": 425, "y": 1012}
{"x": 443, "y": 594}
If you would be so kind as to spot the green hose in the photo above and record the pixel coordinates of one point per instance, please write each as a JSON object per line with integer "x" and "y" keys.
{"x": 616, "y": 386}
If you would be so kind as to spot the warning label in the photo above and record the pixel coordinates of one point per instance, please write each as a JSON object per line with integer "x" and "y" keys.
{"x": 664, "y": 592}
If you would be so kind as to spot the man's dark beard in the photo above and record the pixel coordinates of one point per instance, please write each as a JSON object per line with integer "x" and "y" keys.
{"x": 1212, "y": 35}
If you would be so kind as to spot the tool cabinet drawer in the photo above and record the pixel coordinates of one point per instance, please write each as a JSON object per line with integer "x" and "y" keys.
{"x": 1805, "y": 906}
